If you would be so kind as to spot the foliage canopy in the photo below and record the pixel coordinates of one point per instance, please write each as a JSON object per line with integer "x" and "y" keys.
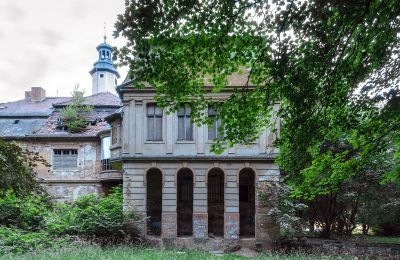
{"x": 333, "y": 65}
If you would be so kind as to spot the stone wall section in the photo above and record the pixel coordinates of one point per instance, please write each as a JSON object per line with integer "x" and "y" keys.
{"x": 267, "y": 229}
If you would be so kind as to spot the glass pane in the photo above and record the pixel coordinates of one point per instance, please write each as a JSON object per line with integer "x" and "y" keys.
{"x": 220, "y": 130}
{"x": 158, "y": 128}
{"x": 188, "y": 111}
{"x": 212, "y": 131}
{"x": 181, "y": 111}
{"x": 150, "y": 109}
{"x": 158, "y": 111}
{"x": 211, "y": 111}
{"x": 150, "y": 128}
{"x": 189, "y": 129}
{"x": 181, "y": 128}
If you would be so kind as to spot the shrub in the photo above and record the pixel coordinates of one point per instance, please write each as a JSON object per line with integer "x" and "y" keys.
{"x": 16, "y": 241}
{"x": 27, "y": 213}
{"x": 90, "y": 215}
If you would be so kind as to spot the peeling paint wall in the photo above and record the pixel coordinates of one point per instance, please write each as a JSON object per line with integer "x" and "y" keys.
{"x": 69, "y": 184}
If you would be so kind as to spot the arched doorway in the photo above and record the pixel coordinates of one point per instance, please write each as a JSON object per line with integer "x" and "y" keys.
{"x": 154, "y": 201}
{"x": 184, "y": 205}
{"x": 247, "y": 202}
{"x": 216, "y": 202}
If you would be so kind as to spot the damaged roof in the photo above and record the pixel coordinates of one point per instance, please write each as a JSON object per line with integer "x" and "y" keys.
{"x": 26, "y": 118}
{"x": 27, "y": 108}
{"x": 103, "y": 99}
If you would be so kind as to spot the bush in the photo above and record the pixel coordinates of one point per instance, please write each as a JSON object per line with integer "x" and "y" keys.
{"x": 27, "y": 213}
{"x": 17, "y": 241}
{"x": 90, "y": 215}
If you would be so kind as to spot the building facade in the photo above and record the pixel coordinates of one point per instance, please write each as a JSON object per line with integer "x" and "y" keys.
{"x": 79, "y": 161}
{"x": 188, "y": 195}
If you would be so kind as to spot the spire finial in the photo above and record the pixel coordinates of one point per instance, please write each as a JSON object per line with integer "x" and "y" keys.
{"x": 105, "y": 35}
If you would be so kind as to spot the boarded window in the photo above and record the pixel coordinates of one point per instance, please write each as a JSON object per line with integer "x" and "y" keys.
{"x": 65, "y": 159}
{"x": 185, "y": 125}
{"x": 215, "y": 129}
{"x": 154, "y": 122}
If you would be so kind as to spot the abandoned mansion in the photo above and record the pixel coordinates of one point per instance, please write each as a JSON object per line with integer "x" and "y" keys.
{"x": 186, "y": 194}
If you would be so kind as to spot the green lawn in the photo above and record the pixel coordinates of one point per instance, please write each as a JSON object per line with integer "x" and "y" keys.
{"x": 121, "y": 253}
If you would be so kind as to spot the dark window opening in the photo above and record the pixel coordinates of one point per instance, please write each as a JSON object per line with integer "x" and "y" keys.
{"x": 185, "y": 202}
{"x": 247, "y": 202}
{"x": 101, "y": 75}
{"x": 216, "y": 202}
{"x": 154, "y": 201}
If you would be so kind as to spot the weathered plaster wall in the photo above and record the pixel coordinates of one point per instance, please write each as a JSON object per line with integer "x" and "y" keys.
{"x": 135, "y": 143}
{"x": 69, "y": 184}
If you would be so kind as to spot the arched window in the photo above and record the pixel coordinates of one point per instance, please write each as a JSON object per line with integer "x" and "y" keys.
{"x": 247, "y": 202}
{"x": 154, "y": 201}
{"x": 216, "y": 202}
{"x": 185, "y": 202}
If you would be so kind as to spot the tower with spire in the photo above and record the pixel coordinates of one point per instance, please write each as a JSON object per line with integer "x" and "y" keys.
{"x": 104, "y": 75}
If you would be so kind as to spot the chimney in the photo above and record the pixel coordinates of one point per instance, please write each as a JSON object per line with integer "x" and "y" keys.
{"x": 28, "y": 95}
{"x": 36, "y": 94}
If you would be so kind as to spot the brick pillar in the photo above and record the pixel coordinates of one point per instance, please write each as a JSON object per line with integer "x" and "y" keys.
{"x": 231, "y": 225}
{"x": 267, "y": 228}
{"x": 169, "y": 219}
{"x": 231, "y": 216}
{"x": 200, "y": 216}
{"x": 134, "y": 192}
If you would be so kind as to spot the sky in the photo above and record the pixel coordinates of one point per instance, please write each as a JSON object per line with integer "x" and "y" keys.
{"x": 52, "y": 44}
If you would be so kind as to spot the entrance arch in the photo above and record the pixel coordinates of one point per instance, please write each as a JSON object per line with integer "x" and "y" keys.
{"x": 247, "y": 202}
{"x": 154, "y": 201}
{"x": 215, "y": 203}
{"x": 184, "y": 201}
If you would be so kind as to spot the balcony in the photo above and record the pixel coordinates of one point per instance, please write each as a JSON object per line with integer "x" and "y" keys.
{"x": 108, "y": 174}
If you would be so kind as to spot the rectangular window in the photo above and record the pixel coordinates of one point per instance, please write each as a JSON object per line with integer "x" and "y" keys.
{"x": 185, "y": 125}
{"x": 154, "y": 122}
{"x": 115, "y": 134}
{"x": 65, "y": 159}
{"x": 214, "y": 130}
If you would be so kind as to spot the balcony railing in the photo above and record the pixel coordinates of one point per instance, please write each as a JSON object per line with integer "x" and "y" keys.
{"x": 106, "y": 165}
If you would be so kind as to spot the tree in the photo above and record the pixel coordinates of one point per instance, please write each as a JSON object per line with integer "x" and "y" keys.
{"x": 333, "y": 65}
{"x": 74, "y": 115}
{"x": 17, "y": 169}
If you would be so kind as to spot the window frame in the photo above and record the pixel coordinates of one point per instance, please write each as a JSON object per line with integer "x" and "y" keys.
{"x": 218, "y": 124}
{"x": 186, "y": 117}
{"x": 59, "y": 154}
{"x": 154, "y": 116}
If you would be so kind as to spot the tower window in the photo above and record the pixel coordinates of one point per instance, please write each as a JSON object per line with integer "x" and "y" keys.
{"x": 101, "y": 75}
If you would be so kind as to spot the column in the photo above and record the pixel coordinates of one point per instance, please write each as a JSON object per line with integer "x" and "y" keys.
{"x": 200, "y": 216}
{"x": 231, "y": 216}
{"x": 169, "y": 219}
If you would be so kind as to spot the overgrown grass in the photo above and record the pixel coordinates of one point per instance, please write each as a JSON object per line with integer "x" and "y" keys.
{"x": 122, "y": 253}
{"x": 378, "y": 239}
